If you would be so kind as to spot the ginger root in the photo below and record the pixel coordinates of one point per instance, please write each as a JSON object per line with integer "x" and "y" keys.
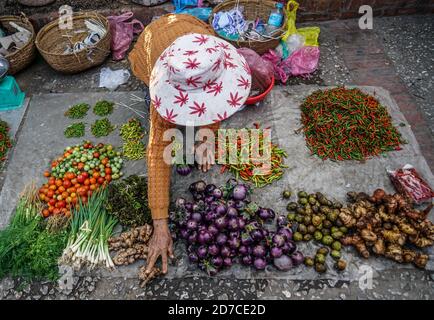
{"x": 358, "y": 243}
{"x": 146, "y": 278}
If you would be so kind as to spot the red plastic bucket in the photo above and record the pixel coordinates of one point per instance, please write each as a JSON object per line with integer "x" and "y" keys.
{"x": 260, "y": 97}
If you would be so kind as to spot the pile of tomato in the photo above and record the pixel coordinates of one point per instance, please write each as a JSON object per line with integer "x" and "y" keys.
{"x": 77, "y": 174}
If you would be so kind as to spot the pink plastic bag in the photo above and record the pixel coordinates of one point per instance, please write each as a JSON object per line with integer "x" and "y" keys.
{"x": 304, "y": 61}
{"x": 281, "y": 67}
{"x": 262, "y": 70}
{"x": 122, "y": 32}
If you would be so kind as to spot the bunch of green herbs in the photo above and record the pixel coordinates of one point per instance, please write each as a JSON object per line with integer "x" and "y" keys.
{"x": 128, "y": 201}
{"x": 78, "y": 111}
{"x": 103, "y": 108}
{"x": 102, "y": 128}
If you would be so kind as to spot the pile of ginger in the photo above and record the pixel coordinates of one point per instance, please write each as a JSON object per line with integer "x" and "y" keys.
{"x": 131, "y": 246}
{"x": 387, "y": 225}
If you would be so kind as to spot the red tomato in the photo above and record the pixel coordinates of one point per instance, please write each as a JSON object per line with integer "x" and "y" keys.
{"x": 101, "y": 180}
{"x": 108, "y": 170}
{"x": 61, "y": 204}
{"x": 80, "y": 178}
{"x": 67, "y": 183}
{"x": 56, "y": 211}
{"x": 95, "y": 175}
{"x": 108, "y": 178}
{"x": 104, "y": 161}
{"x": 52, "y": 181}
{"x": 96, "y": 155}
{"x": 84, "y": 199}
{"x": 50, "y": 194}
{"x": 85, "y": 175}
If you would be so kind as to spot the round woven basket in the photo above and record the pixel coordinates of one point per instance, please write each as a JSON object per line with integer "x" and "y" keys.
{"x": 35, "y": 3}
{"x": 21, "y": 58}
{"x": 253, "y": 9}
{"x": 52, "y": 41}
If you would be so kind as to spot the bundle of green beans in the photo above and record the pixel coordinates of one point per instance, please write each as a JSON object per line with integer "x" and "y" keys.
{"x": 132, "y": 134}
{"x": 75, "y": 130}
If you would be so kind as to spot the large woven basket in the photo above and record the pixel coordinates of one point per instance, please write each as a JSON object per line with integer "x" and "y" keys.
{"x": 35, "y": 3}
{"x": 252, "y": 10}
{"x": 21, "y": 58}
{"x": 52, "y": 41}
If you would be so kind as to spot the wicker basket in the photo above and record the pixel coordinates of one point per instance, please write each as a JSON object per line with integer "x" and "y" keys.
{"x": 35, "y": 3}
{"x": 51, "y": 42}
{"x": 252, "y": 10}
{"x": 24, "y": 56}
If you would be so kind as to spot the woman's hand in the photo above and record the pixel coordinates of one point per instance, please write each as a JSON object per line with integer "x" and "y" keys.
{"x": 207, "y": 157}
{"x": 161, "y": 244}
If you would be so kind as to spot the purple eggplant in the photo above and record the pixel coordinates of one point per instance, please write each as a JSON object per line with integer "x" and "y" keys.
{"x": 191, "y": 225}
{"x": 196, "y": 216}
{"x": 225, "y": 251}
{"x": 212, "y": 229}
{"x": 217, "y": 261}
{"x": 233, "y": 224}
{"x": 283, "y": 263}
{"x": 234, "y": 243}
{"x": 221, "y": 223}
{"x": 232, "y": 212}
{"x": 209, "y": 189}
{"x": 221, "y": 210}
{"x": 297, "y": 258}
{"x": 179, "y": 203}
{"x": 259, "y": 263}
{"x": 183, "y": 169}
{"x": 239, "y": 192}
{"x": 227, "y": 262}
{"x": 221, "y": 239}
{"x": 202, "y": 252}
{"x": 217, "y": 193}
{"x": 213, "y": 250}
{"x": 278, "y": 240}
{"x": 259, "y": 251}
{"x": 247, "y": 260}
{"x": 193, "y": 257}
{"x": 276, "y": 252}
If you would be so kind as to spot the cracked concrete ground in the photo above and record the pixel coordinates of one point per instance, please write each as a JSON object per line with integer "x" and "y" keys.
{"x": 395, "y": 283}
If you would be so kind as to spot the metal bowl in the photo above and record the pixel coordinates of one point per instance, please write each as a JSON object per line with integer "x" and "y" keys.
{"x": 4, "y": 67}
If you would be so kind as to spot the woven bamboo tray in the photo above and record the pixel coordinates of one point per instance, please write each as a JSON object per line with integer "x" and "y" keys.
{"x": 252, "y": 10}
{"x": 52, "y": 41}
{"x": 24, "y": 56}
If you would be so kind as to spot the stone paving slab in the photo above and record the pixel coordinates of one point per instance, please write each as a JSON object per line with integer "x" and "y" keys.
{"x": 42, "y": 139}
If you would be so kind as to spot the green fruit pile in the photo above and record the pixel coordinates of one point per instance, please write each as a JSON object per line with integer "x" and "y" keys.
{"x": 316, "y": 218}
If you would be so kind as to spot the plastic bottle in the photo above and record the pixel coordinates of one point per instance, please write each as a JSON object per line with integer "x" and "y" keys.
{"x": 275, "y": 20}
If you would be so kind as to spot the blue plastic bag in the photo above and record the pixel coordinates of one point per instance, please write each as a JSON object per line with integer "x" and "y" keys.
{"x": 200, "y": 13}
{"x": 180, "y": 5}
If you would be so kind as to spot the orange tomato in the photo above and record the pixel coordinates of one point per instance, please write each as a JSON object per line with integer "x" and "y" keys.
{"x": 69, "y": 175}
{"x": 50, "y": 193}
{"x": 46, "y": 173}
{"x": 87, "y": 182}
{"x": 108, "y": 170}
{"x": 92, "y": 180}
{"x": 95, "y": 175}
{"x": 42, "y": 196}
{"x": 59, "y": 182}
{"x": 80, "y": 166}
{"x": 50, "y": 209}
{"x": 52, "y": 181}
{"x": 104, "y": 161}
{"x": 93, "y": 187}
{"x": 56, "y": 211}
{"x": 45, "y": 213}
{"x": 65, "y": 195}
{"x": 68, "y": 200}
{"x": 67, "y": 213}
{"x": 73, "y": 195}
{"x": 108, "y": 178}
{"x": 74, "y": 200}
{"x": 74, "y": 181}
{"x": 61, "y": 189}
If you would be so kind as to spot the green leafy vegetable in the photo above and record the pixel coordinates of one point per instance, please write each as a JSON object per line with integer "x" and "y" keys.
{"x": 78, "y": 111}
{"x": 102, "y": 128}
{"x": 75, "y": 130}
{"x": 128, "y": 201}
{"x": 103, "y": 108}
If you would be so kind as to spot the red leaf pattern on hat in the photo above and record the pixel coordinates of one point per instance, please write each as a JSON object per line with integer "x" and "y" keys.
{"x": 193, "y": 81}
{"x": 234, "y": 100}
{"x": 211, "y": 50}
{"x": 190, "y": 52}
{"x": 163, "y": 56}
{"x": 244, "y": 83}
{"x": 209, "y": 84}
{"x": 220, "y": 117}
{"x": 216, "y": 65}
{"x": 192, "y": 64}
{"x": 156, "y": 102}
{"x": 228, "y": 56}
{"x": 216, "y": 89}
{"x": 223, "y": 45}
{"x": 202, "y": 39}
{"x": 181, "y": 99}
{"x": 173, "y": 69}
{"x": 227, "y": 64}
{"x": 246, "y": 68}
{"x": 170, "y": 116}
{"x": 198, "y": 109}
{"x": 178, "y": 87}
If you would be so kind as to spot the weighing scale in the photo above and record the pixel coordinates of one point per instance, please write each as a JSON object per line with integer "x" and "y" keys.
{"x": 11, "y": 96}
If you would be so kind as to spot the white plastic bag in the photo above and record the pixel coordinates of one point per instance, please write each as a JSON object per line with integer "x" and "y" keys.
{"x": 111, "y": 79}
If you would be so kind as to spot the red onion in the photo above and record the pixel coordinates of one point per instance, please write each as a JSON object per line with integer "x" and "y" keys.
{"x": 283, "y": 263}
{"x": 260, "y": 263}
{"x": 297, "y": 258}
